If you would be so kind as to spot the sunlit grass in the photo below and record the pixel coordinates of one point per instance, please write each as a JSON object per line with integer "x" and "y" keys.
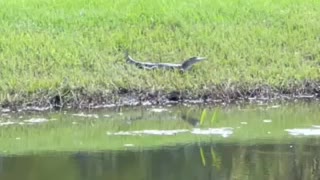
{"x": 48, "y": 46}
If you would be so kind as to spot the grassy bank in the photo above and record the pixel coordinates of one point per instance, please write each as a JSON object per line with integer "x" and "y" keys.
{"x": 75, "y": 48}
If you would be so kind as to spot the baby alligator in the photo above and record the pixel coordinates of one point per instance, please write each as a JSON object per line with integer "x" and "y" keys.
{"x": 186, "y": 65}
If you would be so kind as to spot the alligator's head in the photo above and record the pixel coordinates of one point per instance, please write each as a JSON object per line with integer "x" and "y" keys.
{"x": 187, "y": 64}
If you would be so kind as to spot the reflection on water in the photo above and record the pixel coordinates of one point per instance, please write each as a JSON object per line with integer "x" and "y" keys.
{"x": 297, "y": 161}
{"x": 250, "y": 142}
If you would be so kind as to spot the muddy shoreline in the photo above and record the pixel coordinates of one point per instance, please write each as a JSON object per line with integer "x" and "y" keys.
{"x": 81, "y": 99}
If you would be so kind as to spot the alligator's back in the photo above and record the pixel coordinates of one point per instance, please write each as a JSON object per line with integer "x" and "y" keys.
{"x": 148, "y": 65}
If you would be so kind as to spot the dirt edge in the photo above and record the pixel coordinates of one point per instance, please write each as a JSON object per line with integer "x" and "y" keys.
{"x": 80, "y": 98}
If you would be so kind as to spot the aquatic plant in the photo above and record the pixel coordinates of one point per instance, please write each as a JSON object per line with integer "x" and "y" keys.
{"x": 203, "y": 116}
{"x": 213, "y": 117}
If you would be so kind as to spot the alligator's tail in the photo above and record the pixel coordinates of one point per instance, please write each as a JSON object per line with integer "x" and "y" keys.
{"x": 129, "y": 59}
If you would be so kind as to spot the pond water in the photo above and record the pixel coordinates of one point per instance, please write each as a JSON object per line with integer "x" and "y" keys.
{"x": 266, "y": 141}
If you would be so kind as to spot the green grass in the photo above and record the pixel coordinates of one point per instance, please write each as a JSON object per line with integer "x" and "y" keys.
{"x": 50, "y": 47}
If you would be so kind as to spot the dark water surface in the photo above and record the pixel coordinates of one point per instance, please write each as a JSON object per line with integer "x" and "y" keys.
{"x": 295, "y": 161}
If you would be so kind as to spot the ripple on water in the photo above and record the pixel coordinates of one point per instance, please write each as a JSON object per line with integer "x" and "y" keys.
{"x": 267, "y": 120}
{"x": 150, "y": 132}
{"x": 27, "y": 121}
{"x": 224, "y": 132}
{"x": 304, "y": 132}
{"x": 36, "y": 120}
{"x": 86, "y": 115}
{"x": 158, "y": 110}
{"x": 6, "y": 123}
